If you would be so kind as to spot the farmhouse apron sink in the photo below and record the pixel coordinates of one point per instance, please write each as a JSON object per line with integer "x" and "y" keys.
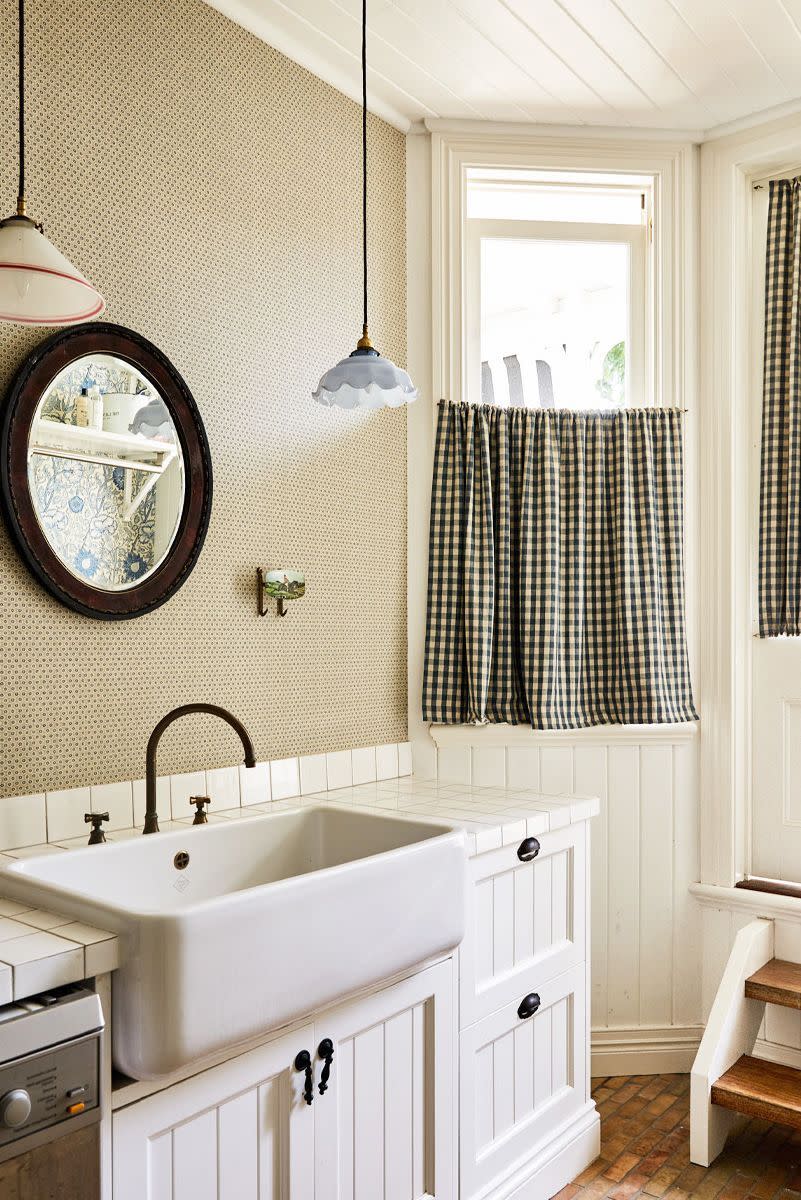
{"x": 230, "y": 930}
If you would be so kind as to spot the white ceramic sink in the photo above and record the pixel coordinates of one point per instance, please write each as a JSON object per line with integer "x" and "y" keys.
{"x": 273, "y": 918}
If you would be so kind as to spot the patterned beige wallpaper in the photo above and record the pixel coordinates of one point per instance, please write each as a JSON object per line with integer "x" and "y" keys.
{"x": 209, "y": 187}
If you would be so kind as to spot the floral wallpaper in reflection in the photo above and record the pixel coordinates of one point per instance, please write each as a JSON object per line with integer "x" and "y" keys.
{"x": 80, "y": 508}
{"x": 80, "y": 505}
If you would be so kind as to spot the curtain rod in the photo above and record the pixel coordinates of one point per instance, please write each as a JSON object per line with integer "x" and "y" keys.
{"x": 793, "y": 173}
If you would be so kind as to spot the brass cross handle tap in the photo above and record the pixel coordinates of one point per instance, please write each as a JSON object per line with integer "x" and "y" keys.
{"x": 97, "y": 836}
{"x": 200, "y": 803}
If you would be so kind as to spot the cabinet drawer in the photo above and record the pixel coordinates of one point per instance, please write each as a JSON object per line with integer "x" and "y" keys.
{"x": 521, "y": 1079}
{"x": 525, "y": 921}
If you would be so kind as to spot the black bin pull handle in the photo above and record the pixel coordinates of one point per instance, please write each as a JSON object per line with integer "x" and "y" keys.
{"x": 326, "y": 1053}
{"x": 529, "y": 848}
{"x": 528, "y": 1006}
{"x": 303, "y": 1062}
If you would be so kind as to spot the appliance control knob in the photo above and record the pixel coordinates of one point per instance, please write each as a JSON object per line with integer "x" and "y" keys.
{"x": 15, "y": 1108}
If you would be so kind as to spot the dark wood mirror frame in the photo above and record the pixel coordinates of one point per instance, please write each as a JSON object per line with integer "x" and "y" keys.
{"x": 33, "y": 379}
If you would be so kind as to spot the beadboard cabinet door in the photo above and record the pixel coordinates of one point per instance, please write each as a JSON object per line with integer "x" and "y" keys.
{"x": 526, "y": 921}
{"x": 239, "y": 1131}
{"x": 522, "y": 1078}
{"x": 385, "y": 1128}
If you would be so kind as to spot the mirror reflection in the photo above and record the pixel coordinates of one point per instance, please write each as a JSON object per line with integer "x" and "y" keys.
{"x": 106, "y": 472}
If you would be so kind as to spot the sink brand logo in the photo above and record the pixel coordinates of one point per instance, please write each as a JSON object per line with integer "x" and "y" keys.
{"x": 182, "y": 884}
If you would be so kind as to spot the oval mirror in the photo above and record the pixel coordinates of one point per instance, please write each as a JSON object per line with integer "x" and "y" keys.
{"x": 105, "y": 471}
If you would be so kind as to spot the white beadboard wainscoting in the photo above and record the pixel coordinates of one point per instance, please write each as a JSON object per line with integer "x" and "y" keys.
{"x": 646, "y": 925}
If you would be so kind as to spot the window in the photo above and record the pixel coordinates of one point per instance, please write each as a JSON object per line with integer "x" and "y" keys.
{"x": 557, "y": 296}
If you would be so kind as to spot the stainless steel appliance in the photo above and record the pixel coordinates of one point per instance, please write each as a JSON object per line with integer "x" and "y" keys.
{"x": 50, "y": 1093}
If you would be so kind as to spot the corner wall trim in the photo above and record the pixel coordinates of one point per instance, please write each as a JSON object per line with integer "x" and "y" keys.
{"x": 645, "y": 1050}
{"x": 759, "y": 904}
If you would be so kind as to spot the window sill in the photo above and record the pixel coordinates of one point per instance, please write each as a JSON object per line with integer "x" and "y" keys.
{"x": 521, "y": 735}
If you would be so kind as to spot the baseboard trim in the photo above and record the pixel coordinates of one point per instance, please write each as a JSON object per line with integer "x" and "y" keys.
{"x": 645, "y": 1050}
{"x": 566, "y": 1157}
{"x": 788, "y": 1056}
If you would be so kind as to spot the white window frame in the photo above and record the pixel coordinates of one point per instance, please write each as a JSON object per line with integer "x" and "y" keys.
{"x": 669, "y": 168}
{"x": 438, "y": 161}
{"x": 639, "y": 377}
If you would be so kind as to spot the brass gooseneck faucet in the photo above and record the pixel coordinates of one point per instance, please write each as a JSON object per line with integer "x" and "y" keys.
{"x": 151, "y": 816}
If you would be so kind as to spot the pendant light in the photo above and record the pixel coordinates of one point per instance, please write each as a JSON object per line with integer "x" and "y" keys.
{"x": 38, "y": 285}
{"x": 365, "y": 379}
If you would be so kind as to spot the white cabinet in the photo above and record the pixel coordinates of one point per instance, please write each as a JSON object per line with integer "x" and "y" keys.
{"x": 526, "y": 921}
{"x": 521, "y": 1080}
{"x": 383, "y": 1130}
{"x": 402, "y": 1108}
{"x": 526, "y": 1119}
{"x": 235, "y": 1132}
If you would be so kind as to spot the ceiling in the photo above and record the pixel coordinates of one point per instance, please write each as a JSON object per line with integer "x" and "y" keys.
{"x": 668, "y": 64}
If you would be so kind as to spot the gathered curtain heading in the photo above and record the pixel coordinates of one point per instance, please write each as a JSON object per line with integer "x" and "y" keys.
{"x": 780, "y": 475}
{"x": 556, "y": 584}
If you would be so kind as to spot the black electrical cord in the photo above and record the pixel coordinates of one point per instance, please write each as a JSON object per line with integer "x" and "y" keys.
{"x": 364, "y": 153}
{"x": 21, "y": 81}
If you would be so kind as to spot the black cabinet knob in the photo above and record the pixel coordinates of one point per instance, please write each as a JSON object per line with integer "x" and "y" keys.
{"x": 303, "y": 1063}
{"x": 529, "y": 848}
{"x": 528, "y": 1006}
{"x": 326, "y": 1053}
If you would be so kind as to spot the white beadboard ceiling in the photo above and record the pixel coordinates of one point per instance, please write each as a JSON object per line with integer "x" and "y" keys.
{"x": 691, "y": 65}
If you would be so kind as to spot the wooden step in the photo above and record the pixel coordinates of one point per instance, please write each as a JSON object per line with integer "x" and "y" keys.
{"x": 761, "y": 1089}
{"x": 778, "y": 982}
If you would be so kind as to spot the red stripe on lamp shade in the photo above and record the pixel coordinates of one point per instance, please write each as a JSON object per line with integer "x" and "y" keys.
{"x": 4, "y": 266}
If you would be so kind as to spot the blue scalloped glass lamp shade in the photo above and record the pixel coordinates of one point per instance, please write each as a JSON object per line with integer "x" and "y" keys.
{"x": 365, "y": 379}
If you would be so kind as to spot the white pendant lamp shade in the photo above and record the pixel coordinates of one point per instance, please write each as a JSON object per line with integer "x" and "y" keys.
{"x": 365, "y": 380}
{"x": 38, "y": 285}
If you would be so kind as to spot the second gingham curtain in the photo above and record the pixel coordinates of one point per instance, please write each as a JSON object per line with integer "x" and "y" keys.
{"x": 780, "y": 481}
{"x": 556, "y": 591}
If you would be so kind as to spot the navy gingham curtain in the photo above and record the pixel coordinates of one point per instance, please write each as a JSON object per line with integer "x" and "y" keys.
{"x": 556, "y": 588}
{"x": 780, "y": 479}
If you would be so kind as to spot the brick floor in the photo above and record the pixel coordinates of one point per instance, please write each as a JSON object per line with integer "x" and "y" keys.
{"x": 645, "y": 1150}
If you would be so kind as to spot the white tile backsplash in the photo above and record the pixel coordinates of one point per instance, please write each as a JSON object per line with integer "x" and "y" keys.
{"x": 363, "y": 764}
{"x": 191, "y": 783}
{"x": 254, "y": 784}
{"x": 162, "y": 800}
{"x": 65, "y": 813}
{"x": 404, "y": 758}
{"x": 284, "y": 778}
{"x": 223, "y": 788}
{"x": 117, "y": 800}
{"x": 42, "y": 824}
{"x": 313, "y": 775}
{"x": 386, "y": 762}
{"x": 23, "y": 821}
{"x": 339, "y": 769}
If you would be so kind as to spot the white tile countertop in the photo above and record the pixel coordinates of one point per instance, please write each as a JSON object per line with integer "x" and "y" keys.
{"x": 490, "y": 816}
{"x": 40, "y": 950}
